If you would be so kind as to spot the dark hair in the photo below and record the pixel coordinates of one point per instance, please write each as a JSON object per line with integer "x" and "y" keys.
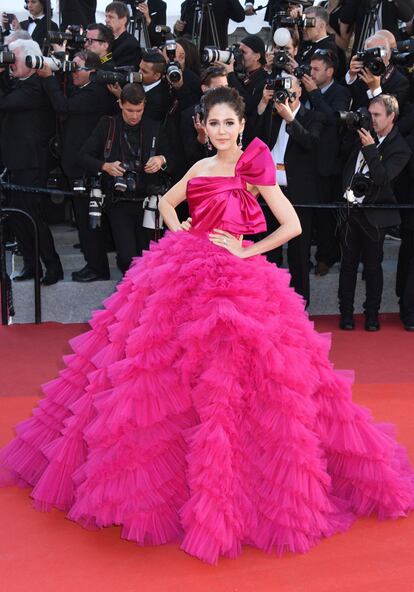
{"x": 119, "y": 8}
{"x": 319, "y": 12}
{"x": 155, "y": 57}
{"x": 211, "y": 72}
{"x": 46, "y": 4}
{"x": 192, "y": 55}
{"x": 105, "y": 33}
{"x": 223, "y": 95}
{"x": 90, "y": 58}
{"x": 132, "y": 93}
{"x": 328, "y": 57}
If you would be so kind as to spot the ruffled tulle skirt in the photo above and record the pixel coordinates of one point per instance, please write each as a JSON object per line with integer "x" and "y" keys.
{"x": 202, "y": 408}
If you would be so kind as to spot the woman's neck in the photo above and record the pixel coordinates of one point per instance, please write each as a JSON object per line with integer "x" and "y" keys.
{"x": 228, "y": 156}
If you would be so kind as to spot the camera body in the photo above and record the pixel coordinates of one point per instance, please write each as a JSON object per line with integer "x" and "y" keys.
{"x": 404, "y": 54}
{"x": 373, "y": 59}
{"x": 302, "y": 70}
{"x": 281, "y": 59}
{"x": 128, "y": 181}
{"x": 282, "y": 19}
{"x": 173, "y": 72}
{"x": 361, "y": 185}
{"x": 356, "y": 120}
{"x": 281, "y": 87}
{"x": 122, "y": 75}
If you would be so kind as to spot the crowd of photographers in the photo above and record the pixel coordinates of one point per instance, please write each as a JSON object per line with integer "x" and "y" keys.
{"x": 117, "y": 107}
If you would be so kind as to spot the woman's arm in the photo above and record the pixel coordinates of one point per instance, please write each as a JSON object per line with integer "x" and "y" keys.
{"x": 284, "y": 213}
{"x": 174, "y": 197}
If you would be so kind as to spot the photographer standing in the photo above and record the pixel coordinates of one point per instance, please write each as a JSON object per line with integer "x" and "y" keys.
{"x": 81, "y": 111}
{"x": 368, "y": 174}
{"x": 130, "y": 151}
{"x": 125, "y": 48}
{"x": 100, "y": 39}
{"x": 27, "y": 125}
{"x": 369, "y": 76}
{"x": 36, "y": 25}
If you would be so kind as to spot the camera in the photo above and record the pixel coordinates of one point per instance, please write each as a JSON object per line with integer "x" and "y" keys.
{"x": 282, "y": 19}
{"x": 173, "y": 72}
{"x": 37, "y": 63}
{"x": 6, "y": 58}
{"x": 302, "y": 70}
{"x": 79, "y": 185}
{"x": 128, "y": 181}
{"x": 281, "y": 59}
{"x": 404, "y": 54}
{"x": 124, "y": 76}
{"x": 361, "y": 186}
{"x": 211, "y": 54}
{"x": 372, "y": 59}
{"x": 74, "y": 35}
{"x": 281, "y": 86}
{"x": 96, "y": 201}
{"x": 356, "y": 120}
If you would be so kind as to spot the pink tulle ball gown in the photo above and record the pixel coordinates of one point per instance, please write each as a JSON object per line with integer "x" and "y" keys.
{"x": 202, "y": 407}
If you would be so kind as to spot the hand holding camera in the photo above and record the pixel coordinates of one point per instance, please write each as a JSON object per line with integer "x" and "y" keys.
{"x": 9, "y": 20}
{"x": 365, "y": 137}
{"x": 373, "y": 82}
{"x": 308, "y": 83}
{"x": 355, "y": 66}
{"x": 284, "y": 110}
{"x": 114, "y": 169}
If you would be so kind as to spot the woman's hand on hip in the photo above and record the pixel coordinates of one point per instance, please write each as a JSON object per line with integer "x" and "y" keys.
{"x": 227, "y": 241}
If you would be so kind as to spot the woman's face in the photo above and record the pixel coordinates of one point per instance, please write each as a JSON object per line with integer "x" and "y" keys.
{"x": 35, "y": 8}
{"x": 223, "y": 126}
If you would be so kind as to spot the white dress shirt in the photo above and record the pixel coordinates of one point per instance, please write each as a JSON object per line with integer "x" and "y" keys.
{"x": 279, "y": 149}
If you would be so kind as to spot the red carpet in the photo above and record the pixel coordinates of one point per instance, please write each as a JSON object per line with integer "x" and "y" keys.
{"x": 47, "y": 553}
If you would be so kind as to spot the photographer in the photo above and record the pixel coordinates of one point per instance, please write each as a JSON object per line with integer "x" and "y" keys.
{"x": 325, "y": 95}
{"x": 367, "y": 16}
{"x": 122, "y": 148}
{"x": 222, "y": 10}
{"x": 292, "y": 133}
{"x": 251, "y": 87}
{"x": 80, "y": 112}
{"x": 369, "y": 172}
{"x": 154, "y": 12}
{"x": 369, "y": 76}
{"x": 157, "y": 93}
{"x": 27, "y": 125}
{"x": 125, "y": 48}
{"x": 100, "y": 39}
{"x": 36, "y": 25}
{"x": 184, "y": 81}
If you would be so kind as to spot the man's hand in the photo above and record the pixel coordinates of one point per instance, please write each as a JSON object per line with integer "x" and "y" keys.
{"x": 267, "y": 96}
{"x": 365, "y": 137}
{"x": 180, "y": 26}
{"x": 285, "y": 111}
{"x": 372, "y": 82}
{"x": 154, "y": 164}
{"x": 308, "y": 83}
{"x": 269, "y": 61}
{"x": 228, "y": 67}
{"x": 355, "y": 66}
{"x": 5, "y": 22}
{"x": 44, "y": 72}
{"x": 200, "y": 129}
{"x": 178, "y": 84}
{"x": 114, "y": 169}
{"x": 143, "y": 7}
{"x": 115, "y": 89}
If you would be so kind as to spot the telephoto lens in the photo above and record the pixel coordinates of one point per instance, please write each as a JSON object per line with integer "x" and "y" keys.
{"x": 6, "y": 58}
{"x": 36, "y": 62}
{"x": 96, "y": 201}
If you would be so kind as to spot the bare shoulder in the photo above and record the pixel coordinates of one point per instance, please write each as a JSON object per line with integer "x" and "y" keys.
{"x": 200, "y": 168}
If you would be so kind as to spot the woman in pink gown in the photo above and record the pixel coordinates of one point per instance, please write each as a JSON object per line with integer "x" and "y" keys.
{"x": 201, "y": 407}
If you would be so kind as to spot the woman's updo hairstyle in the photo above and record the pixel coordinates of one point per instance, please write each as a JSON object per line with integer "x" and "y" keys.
{"x": 222, "y": 95}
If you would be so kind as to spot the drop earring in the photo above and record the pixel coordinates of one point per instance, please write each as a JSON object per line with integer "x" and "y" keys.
{"x": 209, "y": 145}
{"x": 240, "y": 140}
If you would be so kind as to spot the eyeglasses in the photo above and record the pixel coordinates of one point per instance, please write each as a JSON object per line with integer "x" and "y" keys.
{"x": 90, "y": 40}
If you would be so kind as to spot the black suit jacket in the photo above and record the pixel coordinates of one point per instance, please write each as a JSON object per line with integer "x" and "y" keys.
{"x": 300, "y": 156}
{"x": 91, "y": 156}
{"x": 158, "y": 101}
{"x": 158, "y": 14}
{"x": 27, "y": 124}
{"x": 307, "y": 49}
{"x": 251, "y": 88}
{"x": 40, "y": 31}
{"x": 397, "y": 84}
{"x": 126, "y": 51}
{"x": 336, "y": 98}
{"x": 223, "y": 11}
{"x": 77, "y": 12}
{"x": 385, "y": 163}
{"x": 354, "y": 12}
{"x": 80, "y": 114}
{"x": 404, "y": 188}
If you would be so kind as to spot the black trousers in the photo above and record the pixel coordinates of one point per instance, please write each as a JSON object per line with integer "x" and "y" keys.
{"x": 360, "y": 241}
{"x": 325, "y": 222}
{"x": 35, "y": 205}
{"x": 298, "y": 249}
{"x": 93, "y": 242}
{"x": 125, "y": 218}
{"x": 405, "y": 272}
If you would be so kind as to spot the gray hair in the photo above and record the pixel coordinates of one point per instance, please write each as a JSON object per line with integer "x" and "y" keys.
{"x": 19, "y": 34}
{"x": 27, "y": 47}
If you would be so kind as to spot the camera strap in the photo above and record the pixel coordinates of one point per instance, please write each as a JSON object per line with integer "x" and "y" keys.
{"x": 110, "y": 138}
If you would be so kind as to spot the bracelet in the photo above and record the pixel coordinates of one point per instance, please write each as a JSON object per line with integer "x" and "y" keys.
{"x": 164, "y": 165}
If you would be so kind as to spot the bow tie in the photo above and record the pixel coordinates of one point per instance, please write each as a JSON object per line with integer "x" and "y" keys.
{"x": 32, "y": 20}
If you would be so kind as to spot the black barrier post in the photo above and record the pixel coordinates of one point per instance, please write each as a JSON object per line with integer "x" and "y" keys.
{"x": 3, "y": 278}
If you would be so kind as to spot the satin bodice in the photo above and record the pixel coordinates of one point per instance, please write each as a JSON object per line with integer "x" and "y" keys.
{"x": 225, "y": 202}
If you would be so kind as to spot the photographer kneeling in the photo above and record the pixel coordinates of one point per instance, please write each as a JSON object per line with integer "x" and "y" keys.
{"x": 367, "y": 176}
{"x": 129, "y": 151}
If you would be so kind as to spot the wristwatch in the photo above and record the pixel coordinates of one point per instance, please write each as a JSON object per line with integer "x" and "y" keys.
{"x": 164, "y": 165}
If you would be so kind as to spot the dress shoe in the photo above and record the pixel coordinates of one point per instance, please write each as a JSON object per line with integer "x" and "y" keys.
{"x": 321, "y": 268}
{"x": 87, "y": 275}
{"x": 53, "y": 275}
{"x": 408, "y": 322}
{"x": 347, "y": 322}
{"x": 27, "y": 273}
{"x": 372, "y": 322}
